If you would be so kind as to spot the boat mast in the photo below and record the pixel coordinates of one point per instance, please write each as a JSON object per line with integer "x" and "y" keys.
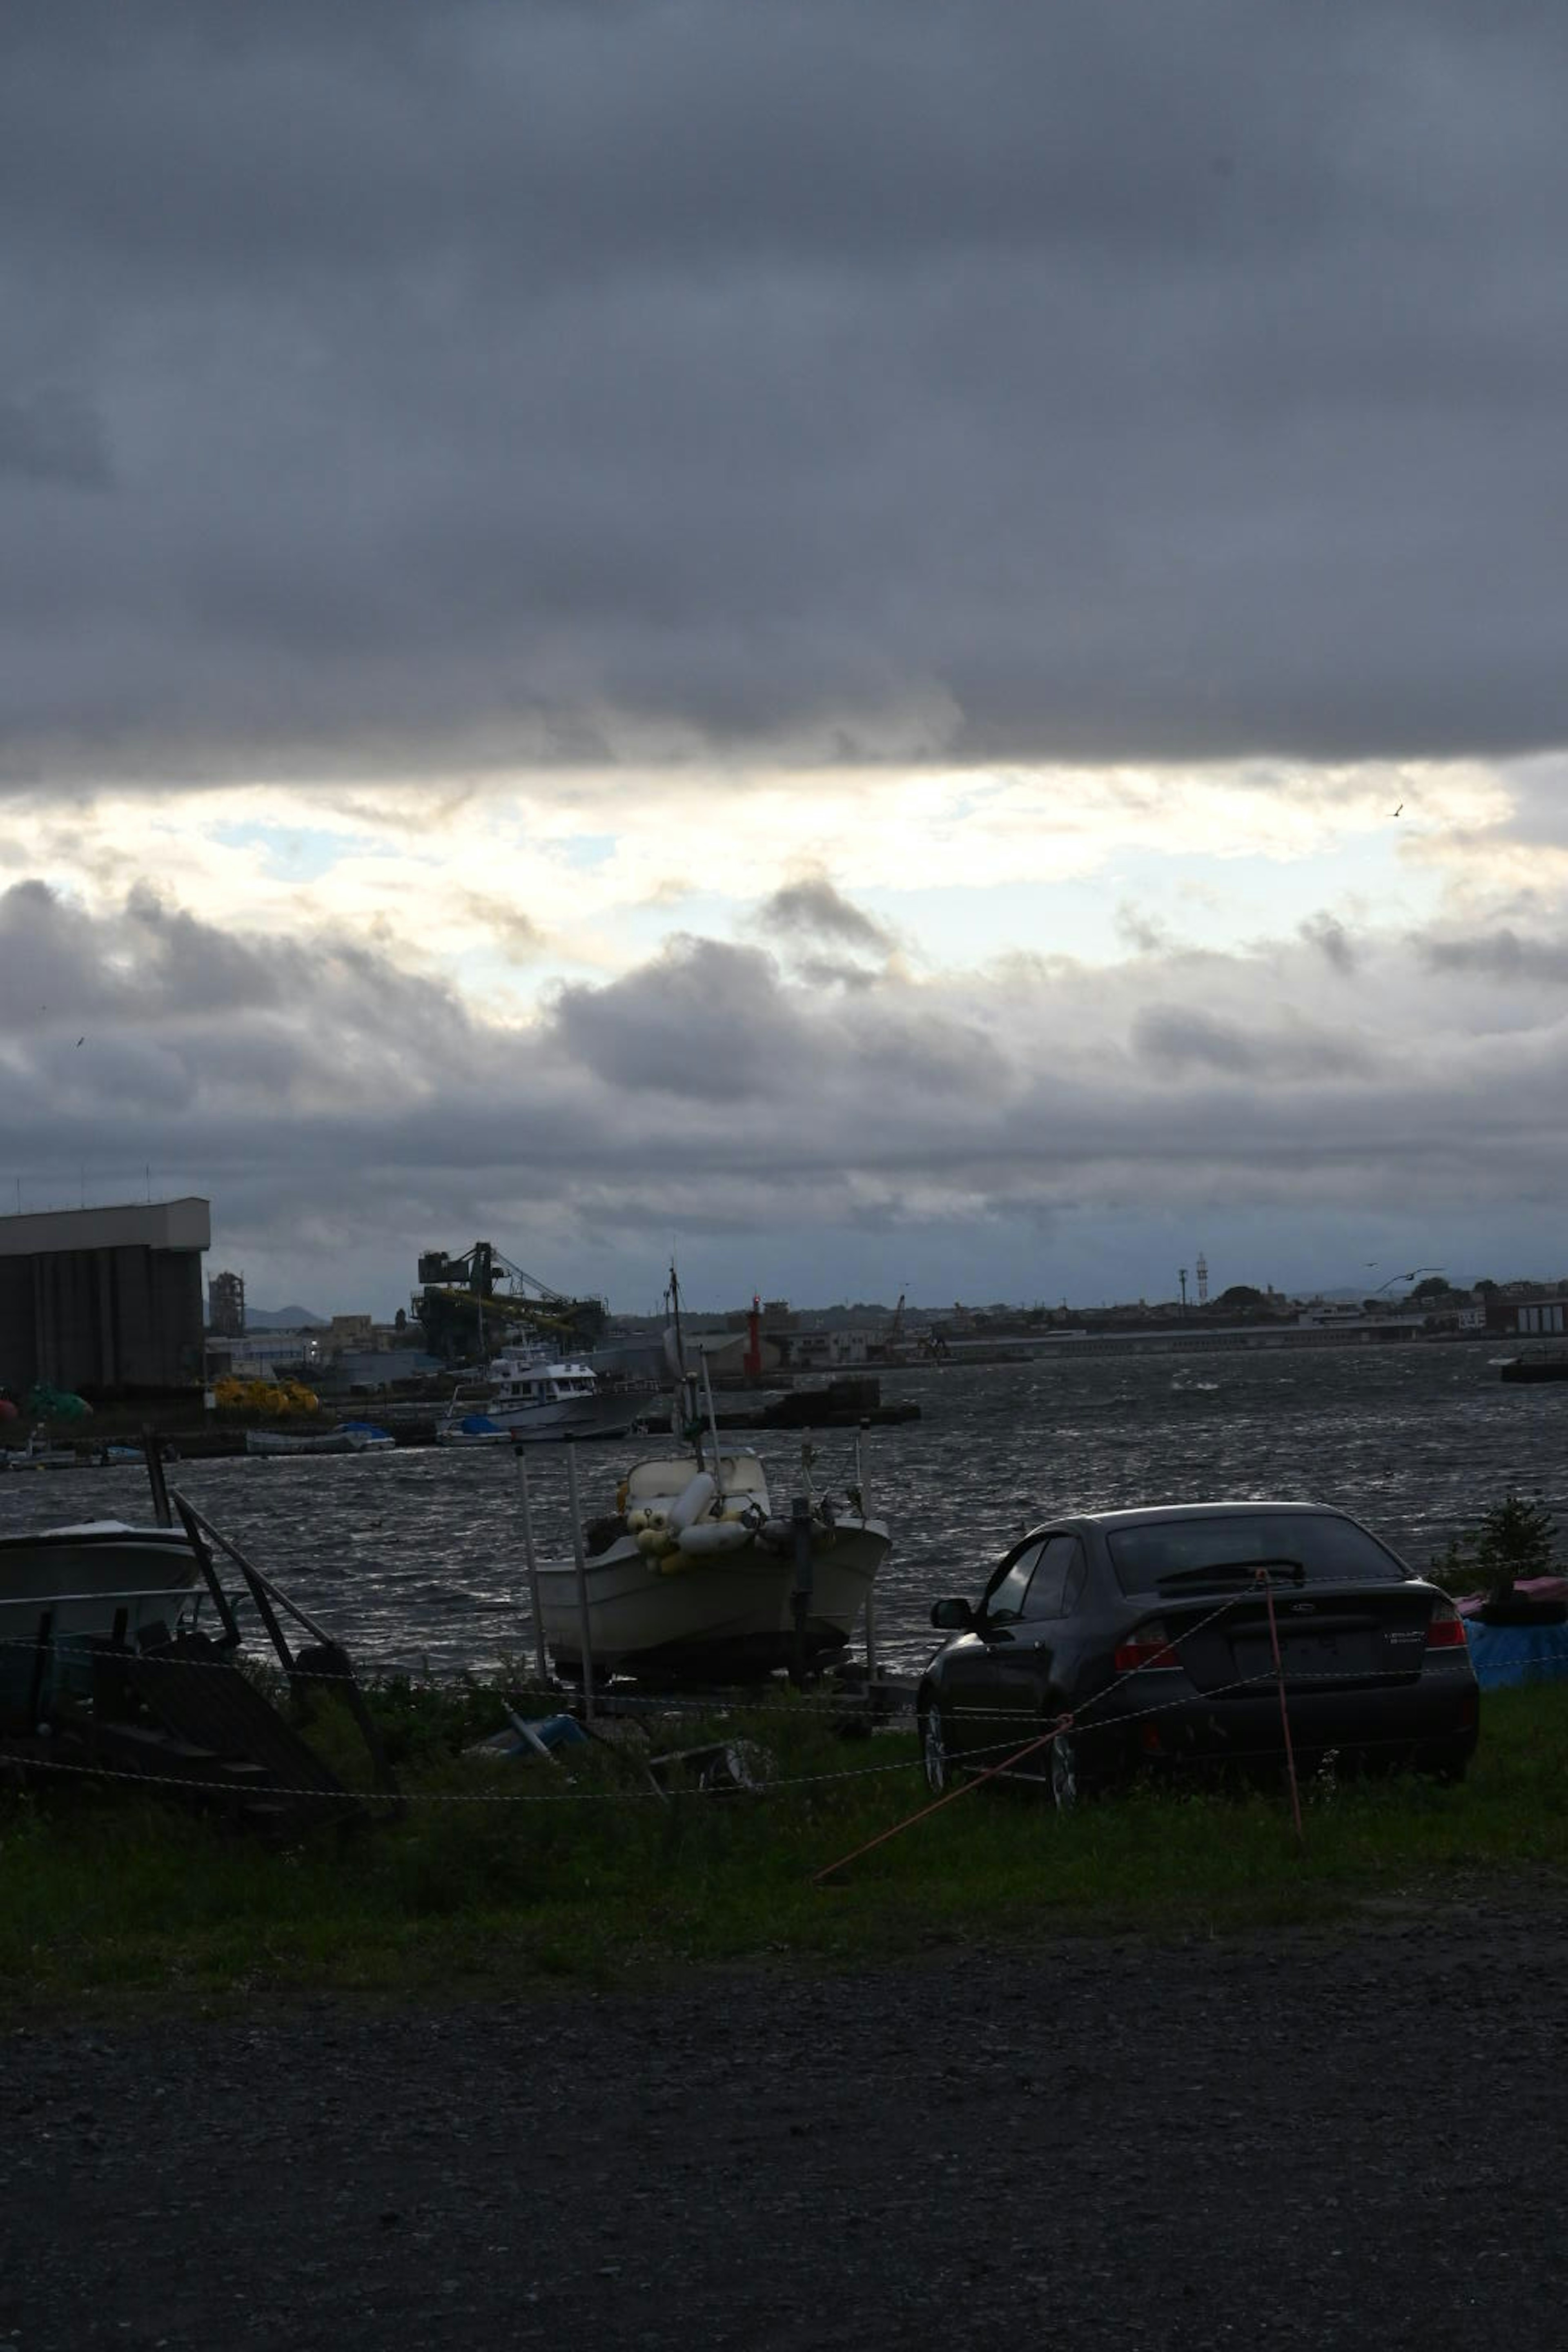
{"x": 686, "y": 1384}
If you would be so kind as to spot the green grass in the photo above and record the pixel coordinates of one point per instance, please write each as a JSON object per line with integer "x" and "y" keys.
{"x": 110, "y": 1894}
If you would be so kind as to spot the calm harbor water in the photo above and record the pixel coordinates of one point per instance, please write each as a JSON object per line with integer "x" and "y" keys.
{"x": 415, "y": 1557}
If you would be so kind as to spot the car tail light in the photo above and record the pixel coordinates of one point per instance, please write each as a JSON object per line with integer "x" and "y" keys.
{"x": 1149, "y": 1646}
{"x": 1447, "y": 1630}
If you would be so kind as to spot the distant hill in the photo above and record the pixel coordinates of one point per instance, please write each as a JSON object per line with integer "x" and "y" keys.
{"x": 282, "y": 1319}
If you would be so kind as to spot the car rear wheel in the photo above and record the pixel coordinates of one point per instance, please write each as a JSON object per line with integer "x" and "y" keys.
{"x": 1063, "y": 1756}
{"x": 934, "y": 1756}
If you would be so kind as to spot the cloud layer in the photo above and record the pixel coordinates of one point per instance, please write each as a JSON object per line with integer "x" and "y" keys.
{"x": 337, "y": 1108}
{"x": 542, "y": 384}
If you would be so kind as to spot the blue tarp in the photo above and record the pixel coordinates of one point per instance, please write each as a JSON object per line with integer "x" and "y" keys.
{"x": 1506, "y": 1655}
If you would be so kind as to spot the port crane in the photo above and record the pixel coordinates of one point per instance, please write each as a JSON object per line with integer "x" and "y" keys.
{"x": 460, "y": 1295}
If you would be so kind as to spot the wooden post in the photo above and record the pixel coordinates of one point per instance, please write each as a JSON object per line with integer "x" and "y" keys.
{"x": 541, "y": 1663}
{"x": 579, "y": 1557}
{"x": 800, "y": 1523}
{"x": 871, "y": 1637}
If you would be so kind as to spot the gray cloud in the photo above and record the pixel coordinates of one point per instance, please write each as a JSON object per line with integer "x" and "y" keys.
{"x": 1143, "y": 934}
{"x": 519, "y": 937}
{"x": 343, "y": 1113}
{"x": 813, "y": 908}
{"x": 49, "y": 437}
{"x": 548, "y": 384}
{"x": 1333, "y": 942}
{"x": 1178, "y": 1040}
{"x": 1501, "y": 955}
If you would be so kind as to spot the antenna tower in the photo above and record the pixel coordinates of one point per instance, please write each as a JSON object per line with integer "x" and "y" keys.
{"x": 1203, "y": 1280}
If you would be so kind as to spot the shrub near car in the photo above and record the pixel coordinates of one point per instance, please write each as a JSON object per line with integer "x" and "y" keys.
{"x": 1150, "y": 1629}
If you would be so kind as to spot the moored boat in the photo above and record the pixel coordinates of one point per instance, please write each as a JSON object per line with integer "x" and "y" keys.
{"x": 354, "y": 1437}
{"x": 534, "y": 1394}
{"x": 470, "y": 1429}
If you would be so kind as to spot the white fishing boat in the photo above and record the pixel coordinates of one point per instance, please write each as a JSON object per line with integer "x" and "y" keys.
{"x": 696, "y": 1573}
{"x": 535, "y": 1395}
{"x": 82, "y": 1578}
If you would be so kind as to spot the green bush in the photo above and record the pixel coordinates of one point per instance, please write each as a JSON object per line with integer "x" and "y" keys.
{"x": 1514, "y": 1538}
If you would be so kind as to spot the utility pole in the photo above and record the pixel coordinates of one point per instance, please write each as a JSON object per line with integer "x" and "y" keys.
{"x": 1182, "y": 1279}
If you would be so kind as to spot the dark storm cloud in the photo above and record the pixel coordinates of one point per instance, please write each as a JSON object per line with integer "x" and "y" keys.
{"x": 704, "y": 1021}
{"x": 550, "y": 383}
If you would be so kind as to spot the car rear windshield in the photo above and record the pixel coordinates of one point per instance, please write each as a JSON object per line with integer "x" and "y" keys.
{"x": 1326, "y": 1548}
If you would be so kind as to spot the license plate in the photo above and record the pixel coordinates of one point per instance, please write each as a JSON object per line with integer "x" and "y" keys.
{"x": 1302, "y": 1654}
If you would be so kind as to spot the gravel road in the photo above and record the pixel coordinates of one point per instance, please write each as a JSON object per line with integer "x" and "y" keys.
{"x": 1328, "y": 2138}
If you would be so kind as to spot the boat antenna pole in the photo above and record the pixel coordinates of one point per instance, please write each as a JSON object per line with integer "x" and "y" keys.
{"x": 675, "y": 1311}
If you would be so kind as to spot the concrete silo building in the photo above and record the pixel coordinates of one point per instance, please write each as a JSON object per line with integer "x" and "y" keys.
{"x": 105, "y": 1301}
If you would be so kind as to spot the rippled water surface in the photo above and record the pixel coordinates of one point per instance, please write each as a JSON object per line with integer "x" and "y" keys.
{"x": 415, "y": 1557}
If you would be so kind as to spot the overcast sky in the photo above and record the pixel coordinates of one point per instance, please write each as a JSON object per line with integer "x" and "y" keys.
{"x": 908, "y": 646}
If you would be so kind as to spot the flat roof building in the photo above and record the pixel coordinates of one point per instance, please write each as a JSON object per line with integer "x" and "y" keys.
{"x": 103, "y": 1300}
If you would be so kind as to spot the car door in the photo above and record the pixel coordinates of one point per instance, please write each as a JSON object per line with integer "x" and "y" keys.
{"x": 1025, "y": 1671}
{"x": 973, "y": 1672}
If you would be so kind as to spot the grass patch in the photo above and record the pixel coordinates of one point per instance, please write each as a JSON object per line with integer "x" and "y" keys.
{"x": 109, "y": 1895}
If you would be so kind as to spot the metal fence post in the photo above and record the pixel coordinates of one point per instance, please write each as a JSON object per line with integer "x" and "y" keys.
{"x": 800, "y": 1523}
{"x": 580, "y": 1556}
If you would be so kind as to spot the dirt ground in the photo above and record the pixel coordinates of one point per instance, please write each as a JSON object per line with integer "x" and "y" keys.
{"x": 1328, "y": 2138}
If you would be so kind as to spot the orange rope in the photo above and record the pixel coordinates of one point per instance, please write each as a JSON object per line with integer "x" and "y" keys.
{"x": 1284, "y": 1710}
{"x": 1063, "y": 1723}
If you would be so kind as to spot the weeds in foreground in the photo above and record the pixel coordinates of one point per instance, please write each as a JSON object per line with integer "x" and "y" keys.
{"x": 598, "y": 1878}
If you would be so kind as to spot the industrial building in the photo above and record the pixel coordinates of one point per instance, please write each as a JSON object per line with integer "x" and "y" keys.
{"x": 107, "y": 1302}
{"x": 225, "y": 1306}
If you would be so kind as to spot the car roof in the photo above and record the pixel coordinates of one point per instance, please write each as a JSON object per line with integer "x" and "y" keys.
{"x": 1149, "y": 1514}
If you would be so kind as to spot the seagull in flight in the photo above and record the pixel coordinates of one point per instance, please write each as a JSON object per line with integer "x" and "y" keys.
{"x": 81, "y": 1041}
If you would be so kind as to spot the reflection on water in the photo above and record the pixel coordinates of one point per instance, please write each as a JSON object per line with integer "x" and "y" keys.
{"x": 415, "y": 1557}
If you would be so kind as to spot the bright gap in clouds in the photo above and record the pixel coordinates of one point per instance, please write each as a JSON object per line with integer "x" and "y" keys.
{"x": 508, "y": 887}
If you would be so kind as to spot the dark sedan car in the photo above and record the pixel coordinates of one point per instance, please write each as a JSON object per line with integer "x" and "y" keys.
{"x": 1150, "y": 1629}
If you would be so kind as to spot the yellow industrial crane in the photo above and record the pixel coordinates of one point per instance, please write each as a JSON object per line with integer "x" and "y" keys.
{"x": 459, "y": 1295}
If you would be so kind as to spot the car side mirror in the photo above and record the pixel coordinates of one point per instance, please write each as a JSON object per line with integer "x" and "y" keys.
{"x": 952, "y": 1616}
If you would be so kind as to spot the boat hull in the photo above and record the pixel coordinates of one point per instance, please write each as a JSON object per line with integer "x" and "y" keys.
{"x": 82, "y": 1578}
{"x": 547, "y": 1424}
{"x": 714, "y": 1616}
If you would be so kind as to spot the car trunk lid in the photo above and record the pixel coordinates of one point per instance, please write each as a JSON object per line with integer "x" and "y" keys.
{"x": 1327, "y": 1634}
